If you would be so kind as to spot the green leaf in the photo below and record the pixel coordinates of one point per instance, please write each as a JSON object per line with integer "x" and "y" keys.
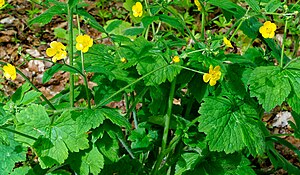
{"x": 48, "y": 74}
{"x": 186, "y": 162}
{"x": 91, "y": 20}
{"x": 88, "y": 162}
{"x": 10, "y": 153}
{"x": 54, "y": 140}
{"x": 172, "y": 21}
{"x": 272, "y": 6}
{"x": 153, "y": 62}
{"x": 33, "y": 121}
{"x": 113, "y": 25}
{"x": 23, "y": 170}
{"x": 30, "y": 97}
{"x": 19, "y": 94}
{"x": 229, "y": 6}
{"x": 254, "y": 5}
{"x": 270, "y": 85}
{"x": 115, "y": 117}
{"x": 133, "y": 31}
{"x": 72, "y": 3}
{"x": 227, "y": 126}
{"x": 4, "y": 116}
{"x": 109, "y": 147}
{"x": 88, "y": 119}
{"x": 46, "y": 17}
{"x": 147, "y": 20}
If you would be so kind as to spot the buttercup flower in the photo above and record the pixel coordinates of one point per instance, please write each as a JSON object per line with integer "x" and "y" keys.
{"x": 123, "y": 60}
{"x": 10, "y": 71}
{"x": 198, "y": 5}
{"x": 176, "y": 59}
{"x": 227, "y": 42}
{"x": 84, "y": 42}
{"x": 212, "y": 76}
{"x": 267, "y": 30}
{"x": 2, "y": 2}
{"x": 137, "y": 9}
{"x": 57, "y": 50}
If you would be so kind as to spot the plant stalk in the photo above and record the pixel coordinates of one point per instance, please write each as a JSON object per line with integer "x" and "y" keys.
{"x": 70, "y": 43}
{"x": 283, "y": 40}
{"x": 17, "y": 132}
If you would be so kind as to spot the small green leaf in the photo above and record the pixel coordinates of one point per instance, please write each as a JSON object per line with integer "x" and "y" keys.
{"x": 72, "y": 3}
{"x": 172, "y": 21}
{"x": 30, "y": 97}
{"x": 133, "y": 31}
{"x": 91, "y": 20}
{"x": 186, "y": 162}
{"x": 46, "y": 17}
{"x": 88, "y": 119}
{"x": 254, "y": 5}
{"x": 19, "y": 94}
{"x": 272, "y": 6}
{"x": 50, "y": 72}
{"x": 115, "y": 117}
{"x": 113, "y": 25}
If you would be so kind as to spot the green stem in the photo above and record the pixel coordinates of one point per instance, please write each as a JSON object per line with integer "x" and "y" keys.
{"x": 193, "y": 70}
{"x": 70, "y": 43}
{"x": 127, "y": 86}
{"x": 17, "y": 132}
{"x": 202, "y": 24}
{"x": 86, "y": 86}
{"x": 296, "y": 45}
{"x": 32, "y": 85}
{"x": 126, "y": 147}
{"x": 283, "y": 40}
{"x": 236, "y": 30}
{"x": 134, "y": 112}
{"x": 166, "y": 128}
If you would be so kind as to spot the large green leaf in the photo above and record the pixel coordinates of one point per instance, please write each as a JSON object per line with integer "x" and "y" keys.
{"x": 227, "y": 126}
{"x": 54, "y": 139}
{"x": 10, "y": 153}
{"x": 270, "y": 85}
{"x": 186, "y": 162}
{"x": 89, "y": 162}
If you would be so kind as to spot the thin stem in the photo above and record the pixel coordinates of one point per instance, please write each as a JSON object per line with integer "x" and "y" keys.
{"x": 17, "y": 132}
{"x": 238, "y": 27}
{"x": 296, "y": 45}
{"x": 126, "y": 147}
{"x": 86, "y": 86}
{"x": 202, "y": 24}
{"x": 283, "y": 40}
{"x": 127, "y": 86}
{"x": 134, "y": 112}
{"x": 70, "y": 42}
{"x": 193, "y": 70}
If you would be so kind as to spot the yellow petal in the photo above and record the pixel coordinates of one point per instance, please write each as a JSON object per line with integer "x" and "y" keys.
{"x": 211, "y": 69}
{"x": 85, "y": 49}
{"x": 176, "y": 59}
{"x": 206, "y": 77}
{"x": 212, "y": 82}
{"x": 50, "y": 52}
{"x": 137, "y": 9}
{"x": 217, "y": 69}
{"x": 79, "y": 46}
{"x": 90, "y": 42}
{"x": 271, "y": 35}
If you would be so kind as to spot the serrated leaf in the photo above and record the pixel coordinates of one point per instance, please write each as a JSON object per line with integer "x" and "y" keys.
{"x": 10, "y": 153}
{"x": 88, "y": 162}
{"x": 109, "y": 147}
{"x": 19, "y": 94}
{"x": 91, "y": 20}
{"x": 113, "y": 25}
{"x": 172, "y": 21}
{"x": 227, "y": 126}
{"x": 88, "y": 119}
{"x": 55, "y": 140}
{"x": 23, "y": 170}
{"x": 115, "y": 117}
{"x": 186, "y": 162}
{"x": 46, "y": 17}
{"x": 254, "y": 5}
{"x": 30, "y": 97}
{"x": 272, "y": 6}
{"x": 150, "y": 63}
{"x": 270, "y": 85}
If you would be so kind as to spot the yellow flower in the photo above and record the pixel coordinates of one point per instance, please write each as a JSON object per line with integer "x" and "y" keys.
{"x": 57, "y": 50}
{"x": 213, "y": 75}
{"x": 198, "y": 5}
{"x": 137, "y": 9}
{"x": 227, "y": 42}
{"x": 84, "y": 42}
{"x": 267, "y": 30}
{"x": 176, "y": 59}
{"x": 10, "y": 71}
{"x": 2, "y": 2}
{"x": 123, "y": 60}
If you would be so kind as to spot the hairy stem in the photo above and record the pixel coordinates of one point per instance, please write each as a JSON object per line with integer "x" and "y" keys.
{"x": 283, "y": 40}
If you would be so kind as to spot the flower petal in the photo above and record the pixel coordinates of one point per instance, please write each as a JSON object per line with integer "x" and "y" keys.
{"x": 50, "y": 52}
{"x": 212, "y": 82}
{"x": 206, "y": 77}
